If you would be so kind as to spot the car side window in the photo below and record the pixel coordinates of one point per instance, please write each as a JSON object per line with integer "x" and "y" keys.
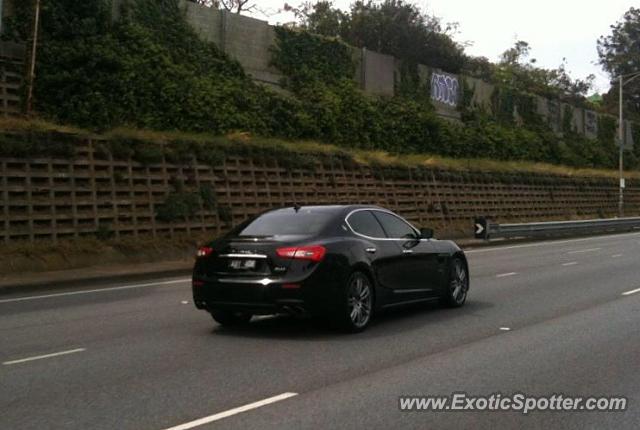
{"x": 395, "y": 227}
{"x": 363, "y": 222}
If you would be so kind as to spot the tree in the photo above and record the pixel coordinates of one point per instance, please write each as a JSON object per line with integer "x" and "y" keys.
{"x": 391, "y": 27}
{"x": 320, "y": 17}
{"x": 238, "y": 6}
{"x": 235, "y": 6}
{"x": 514, "y": 55}
{"x": 619, "y": 54}
{"x": 479, "y": 67}
{"x": 208, "y": 3}
{"x": 516, "y": 70}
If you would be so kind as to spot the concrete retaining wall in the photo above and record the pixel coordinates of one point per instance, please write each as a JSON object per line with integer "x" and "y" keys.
{"x": 51, "y": 199}
{"x": 206, "y": 21}
{"x": 249, "y": 40}
{"x": 378, "y": 73}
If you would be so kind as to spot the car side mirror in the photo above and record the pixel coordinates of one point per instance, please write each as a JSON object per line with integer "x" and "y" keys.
{"x": 426, "y": 233}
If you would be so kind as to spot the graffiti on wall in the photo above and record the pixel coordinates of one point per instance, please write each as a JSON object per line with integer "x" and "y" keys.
{"x": 445, "y": 88}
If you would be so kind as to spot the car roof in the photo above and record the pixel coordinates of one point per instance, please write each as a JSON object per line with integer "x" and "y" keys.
{"x": 331, "y": 208}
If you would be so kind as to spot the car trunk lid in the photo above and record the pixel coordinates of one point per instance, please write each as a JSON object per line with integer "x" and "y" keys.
{"x": 253, "y": 256}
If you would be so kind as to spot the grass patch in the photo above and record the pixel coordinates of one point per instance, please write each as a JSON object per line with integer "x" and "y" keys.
{"x": 44, "y": 255}
{"x": 212, "y": 150}
{"x": 39, "y": 125}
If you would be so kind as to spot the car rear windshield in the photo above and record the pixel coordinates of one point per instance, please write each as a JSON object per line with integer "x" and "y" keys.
{"x": 287, "y": 222}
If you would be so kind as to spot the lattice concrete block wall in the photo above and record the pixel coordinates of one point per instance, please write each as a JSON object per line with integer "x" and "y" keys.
{"x": 46, "y": 198}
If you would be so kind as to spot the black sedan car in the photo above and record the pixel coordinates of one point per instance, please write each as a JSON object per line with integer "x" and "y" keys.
{"x": 342, "y": 262}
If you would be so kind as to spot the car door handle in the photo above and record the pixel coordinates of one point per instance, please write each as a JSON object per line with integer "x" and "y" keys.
{"x": 371, "y": 250}
{"x": 407, "y": 251}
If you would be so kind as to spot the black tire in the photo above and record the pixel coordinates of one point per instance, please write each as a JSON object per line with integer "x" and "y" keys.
{"x": 230, "y": 318}
{"x": 356, "y": 308}
{"x": 457, "y": 285}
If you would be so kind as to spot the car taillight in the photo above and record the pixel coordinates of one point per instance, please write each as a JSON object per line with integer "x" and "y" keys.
{"x": 313, "y": 253}
{"x": 204, "y": 251}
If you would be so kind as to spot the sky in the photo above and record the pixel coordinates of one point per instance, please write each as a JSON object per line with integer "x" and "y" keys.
{"x": 555, "y": 29}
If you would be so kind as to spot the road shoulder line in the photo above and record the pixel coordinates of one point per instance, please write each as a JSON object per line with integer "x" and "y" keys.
{"x": 231, "y": 412}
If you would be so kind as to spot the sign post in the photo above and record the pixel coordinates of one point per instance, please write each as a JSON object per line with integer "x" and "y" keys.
{"x": 481, "y": 230}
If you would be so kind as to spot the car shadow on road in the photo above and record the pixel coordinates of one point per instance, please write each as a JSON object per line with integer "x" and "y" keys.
{"x": 388, "y": 322}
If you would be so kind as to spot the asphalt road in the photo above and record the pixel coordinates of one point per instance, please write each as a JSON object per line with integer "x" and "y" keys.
{"x": 541, "y": 318}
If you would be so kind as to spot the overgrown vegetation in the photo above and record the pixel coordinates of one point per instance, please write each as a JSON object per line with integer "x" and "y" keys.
{"x": 151, "y": 70}
{"x": 618, "y": 52}
{"x": 183, "y": 203}
{"x": 513, "y": 130}
{"x": 297, "y": 154}
{"x": 393, "y": 27}
{"x": 518, "y": 71}
{"x": 402, "y": 29}
{"x": 147, "y": 69}
{"x": 179, "y": 206}
{"x": 36, "y": 144}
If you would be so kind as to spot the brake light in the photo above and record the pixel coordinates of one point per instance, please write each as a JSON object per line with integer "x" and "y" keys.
{"x": 313, "y": 253}
{"x": 204, "y": 251}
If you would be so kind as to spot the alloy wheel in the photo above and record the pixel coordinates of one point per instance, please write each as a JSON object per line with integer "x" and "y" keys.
{"x": 360, "y": 301}
{"x": 459, "y": 282}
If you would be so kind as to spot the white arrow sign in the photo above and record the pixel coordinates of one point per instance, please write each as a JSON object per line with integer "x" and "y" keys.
{"x": 479, "y": 228}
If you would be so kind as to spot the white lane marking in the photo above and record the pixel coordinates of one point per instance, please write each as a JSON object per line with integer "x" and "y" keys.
{"x": 234, "y": 411}
{"x": 628, "y": 293}
{"x": 553, "y": 242}
{"x": 570, "y": 263}
{"x": 582, "y": 251}
{"x": 40, "y": 357}
{"x": 505, "y": 328}
{"x": 616, "y": 255}
{"x": 99, "y": 290}
{"x": 504, "y": 275}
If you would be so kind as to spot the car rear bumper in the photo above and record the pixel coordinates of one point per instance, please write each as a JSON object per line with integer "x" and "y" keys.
{"x": 315, "y": 294}
{"x": 294, "y": 307}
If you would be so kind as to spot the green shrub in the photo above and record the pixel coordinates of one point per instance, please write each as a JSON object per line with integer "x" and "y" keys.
{"x": 183, "y": 204}
{"x": 150, "y": 69}
{"x": 208, "y": 197}
{"x": 104, "y": 232}
{"x": 225, "y": 214}
{"x": 303, "y": 57}
{"x": 33, "y": 145}
{"x": 178, "y": 206}
{"x": 119, "y": 149}
{"x": 147, "y": 152}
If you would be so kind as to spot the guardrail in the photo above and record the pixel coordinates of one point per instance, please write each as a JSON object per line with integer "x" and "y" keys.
{"x": 485, "y": 229}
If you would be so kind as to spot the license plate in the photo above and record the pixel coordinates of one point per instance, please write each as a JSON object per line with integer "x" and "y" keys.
{"x": 242, "y": 264}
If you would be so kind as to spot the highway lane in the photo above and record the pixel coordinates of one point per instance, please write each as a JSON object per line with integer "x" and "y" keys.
{"x": 147, "y": 360}
{"x": 573, "y": 355}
